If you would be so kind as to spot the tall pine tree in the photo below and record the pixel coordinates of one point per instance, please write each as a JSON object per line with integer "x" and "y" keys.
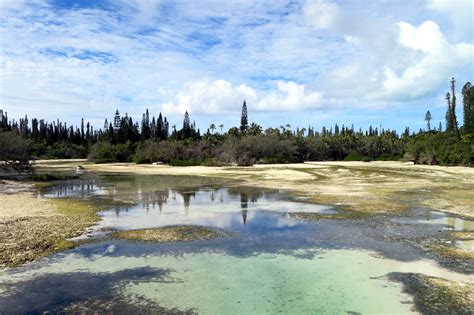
{"x": 244, "y": 123}
{"x": 468, "y": 107}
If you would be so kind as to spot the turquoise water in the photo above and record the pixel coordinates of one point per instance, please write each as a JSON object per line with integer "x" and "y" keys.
{"x": 271, "y": 264}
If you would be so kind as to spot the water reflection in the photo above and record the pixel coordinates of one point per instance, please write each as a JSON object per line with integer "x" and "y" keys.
{"x": 76, "y": 188}
{"x": 281, "y": 256}
{"x": 232, "y": 210}
{"x": 154, "y": 201}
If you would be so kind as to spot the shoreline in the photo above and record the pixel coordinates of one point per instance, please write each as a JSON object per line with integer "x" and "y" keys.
{"x": 373, "y": 187}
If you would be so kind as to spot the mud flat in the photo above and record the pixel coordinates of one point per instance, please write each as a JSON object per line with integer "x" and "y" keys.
{"x": 375, "y": 187}
{"x": 437, "y": 296}
{"x": 185, "y": 233}
{"x": 33, "y": 227}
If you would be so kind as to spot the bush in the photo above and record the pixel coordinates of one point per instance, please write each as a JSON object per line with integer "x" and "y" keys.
{"x": 190, "y": 162}
{"x": 14, "y": 153}
{"x": 105, "y": 152}
{"x": 440, "y": 148}
{"x": 354, "y": 157}
{"x": 63, "y": 150}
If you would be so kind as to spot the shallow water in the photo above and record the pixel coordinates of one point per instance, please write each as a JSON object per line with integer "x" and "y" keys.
{"x": 436, "y": 218}
{"x": 272, "y": 262}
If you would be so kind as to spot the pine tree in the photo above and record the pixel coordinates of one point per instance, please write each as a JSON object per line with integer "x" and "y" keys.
{"x": 428, "y": 119}
{"x": 453, "y": 107}
{"x": 468, "y": 107}
{"x": 186, "y": 123}
{"x": 449, "y": 118}
{"x": 406, "y": 133}
{"x": 244, "y": 118}
{"x": 116, "y": 120}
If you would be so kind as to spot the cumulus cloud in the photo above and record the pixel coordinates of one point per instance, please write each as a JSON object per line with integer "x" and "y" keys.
{"x": 290, "y": 97}
{"x": 438, "y": 61}
{"x": 205, "y": 96}
{"x": 394, "y": 61}
{"x": 210, "y": 97}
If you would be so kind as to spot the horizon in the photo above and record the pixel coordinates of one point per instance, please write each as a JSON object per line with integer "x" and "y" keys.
{"x": 293, "y": 128}
{"x": 304, "y": 63}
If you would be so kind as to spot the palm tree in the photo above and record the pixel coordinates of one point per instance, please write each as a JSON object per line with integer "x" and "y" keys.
{"x": 221, "y": 126}
{"x": 255, "y": 129}
{"x": 212, "y": 127}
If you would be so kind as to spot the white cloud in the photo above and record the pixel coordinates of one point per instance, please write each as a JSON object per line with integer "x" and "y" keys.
{"x": 144, "y": 10}
{"x": 290, "y": 97}
{"x": 439, "y": 60}
{"x": 341, "y": 54}
{"x": 461, "y": 14}
{"x": 321, "y": 13}
{"x": 210, "y": 97}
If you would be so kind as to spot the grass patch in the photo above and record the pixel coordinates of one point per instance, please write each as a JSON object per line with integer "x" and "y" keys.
{"x": 183, "y": 233}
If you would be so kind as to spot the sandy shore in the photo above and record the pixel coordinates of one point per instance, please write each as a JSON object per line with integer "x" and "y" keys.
{"x": 364, "y": 187}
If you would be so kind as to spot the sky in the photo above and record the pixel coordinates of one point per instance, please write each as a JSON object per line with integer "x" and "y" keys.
{"x": 314, "y": 62}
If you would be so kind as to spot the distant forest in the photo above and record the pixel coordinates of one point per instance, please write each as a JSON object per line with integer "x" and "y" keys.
{"x": 154, "y": 140}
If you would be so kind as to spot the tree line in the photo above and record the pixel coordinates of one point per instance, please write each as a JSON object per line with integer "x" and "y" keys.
{"x": 154, "y": 140}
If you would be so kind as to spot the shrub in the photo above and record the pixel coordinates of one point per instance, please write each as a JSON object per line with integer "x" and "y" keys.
{"x": 105, "y": 152}
{"x": 189, "y": 162}
{"x": 14, "y": 153}
{"x": 354, "y": 156}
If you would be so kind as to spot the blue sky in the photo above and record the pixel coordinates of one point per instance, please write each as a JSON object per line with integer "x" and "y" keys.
{"x": 314, "y": 62}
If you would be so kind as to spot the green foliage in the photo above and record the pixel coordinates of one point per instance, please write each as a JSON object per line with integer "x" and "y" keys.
{"x": 354, "y": 156}
{"x": 14, "y": 153}
{"x": 64, "y": 150}
{"x": 440, "y": 148}
{"x": 105, "y": 152}
{"x": 189, "y": 162}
